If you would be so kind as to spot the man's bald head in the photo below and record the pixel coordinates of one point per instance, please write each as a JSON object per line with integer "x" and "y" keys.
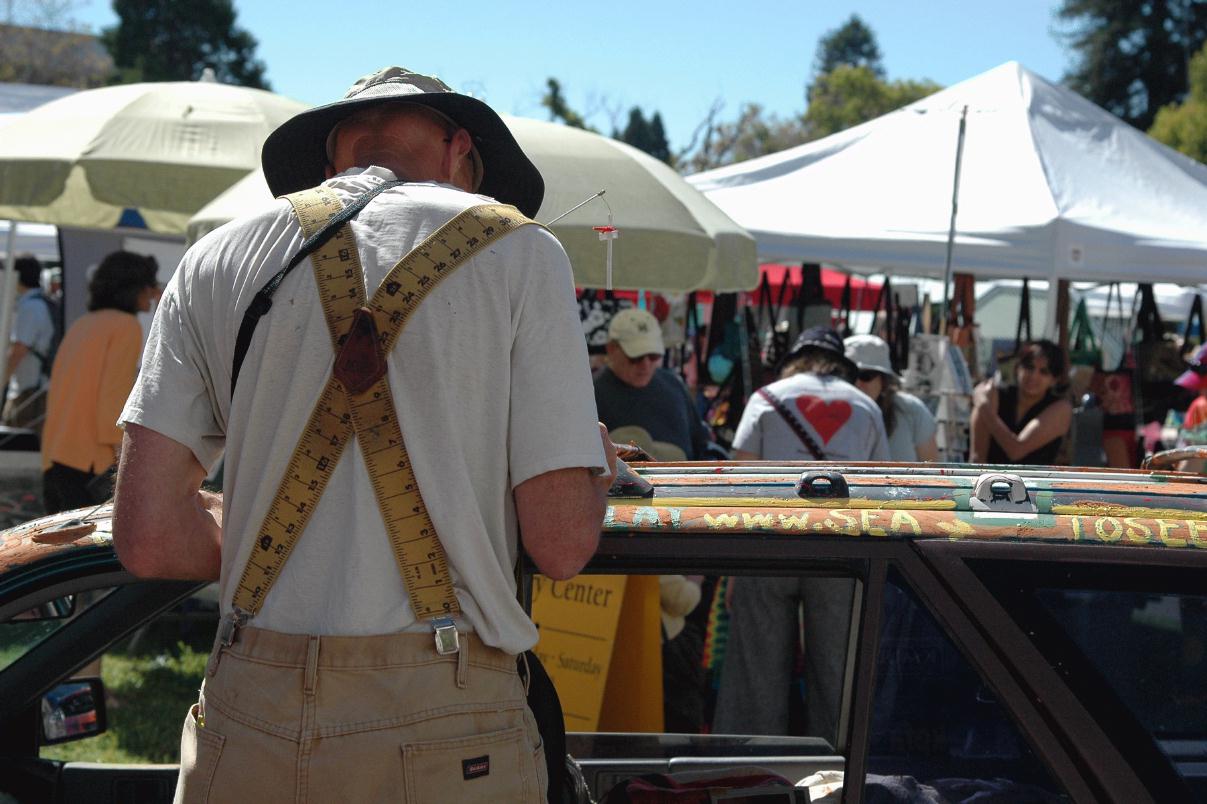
{"x": 413, "y": 141}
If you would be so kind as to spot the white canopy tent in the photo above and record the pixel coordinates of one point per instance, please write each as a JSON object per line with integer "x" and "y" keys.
{"x": 1051, "y": 186}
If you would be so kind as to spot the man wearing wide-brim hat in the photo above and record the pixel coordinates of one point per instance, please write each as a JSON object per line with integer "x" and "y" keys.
{"x": 332, "y": 677}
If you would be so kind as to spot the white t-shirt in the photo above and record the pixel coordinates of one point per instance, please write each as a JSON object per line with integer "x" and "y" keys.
{"x": 915, "y": 425}
{"x": 490, "y": 376}
{"x": 843, "y": 421}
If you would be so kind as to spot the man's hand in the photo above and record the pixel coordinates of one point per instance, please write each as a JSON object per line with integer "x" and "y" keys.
{"x": 610, "y": 453}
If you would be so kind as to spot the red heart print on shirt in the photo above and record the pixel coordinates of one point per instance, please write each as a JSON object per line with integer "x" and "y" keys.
{"x": 826, "y": 417}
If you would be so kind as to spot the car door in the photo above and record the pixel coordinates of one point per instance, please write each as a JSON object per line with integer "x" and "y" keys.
{"x": 57, "y": 614}
{"x": 1073, "y": 625}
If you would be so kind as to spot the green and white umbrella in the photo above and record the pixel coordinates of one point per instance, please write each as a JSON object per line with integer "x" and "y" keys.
{"x": 154, "y": 151}
{"x": 670, "y": 237}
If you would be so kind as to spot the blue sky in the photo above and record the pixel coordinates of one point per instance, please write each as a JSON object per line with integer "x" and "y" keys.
{"x": 676, "y": 58}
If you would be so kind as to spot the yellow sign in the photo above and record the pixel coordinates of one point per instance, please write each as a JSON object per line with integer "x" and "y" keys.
{"x": 577, "y": 620}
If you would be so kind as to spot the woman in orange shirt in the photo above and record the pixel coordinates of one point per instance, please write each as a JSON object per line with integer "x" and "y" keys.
{"x": 92, "y": 375}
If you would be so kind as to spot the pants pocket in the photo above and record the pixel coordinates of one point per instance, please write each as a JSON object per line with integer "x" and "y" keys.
{"x": 200, "y": 749}
{"x": 493, "y": 767}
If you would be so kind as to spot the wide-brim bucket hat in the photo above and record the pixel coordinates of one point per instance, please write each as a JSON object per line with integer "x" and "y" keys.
{"x": 822, "y": 339}
{"x": 870, "y": 353}
{"x": 295, "y": 154}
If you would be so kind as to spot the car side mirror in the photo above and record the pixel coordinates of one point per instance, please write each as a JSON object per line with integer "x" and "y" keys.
{"x": 73, "y": 710}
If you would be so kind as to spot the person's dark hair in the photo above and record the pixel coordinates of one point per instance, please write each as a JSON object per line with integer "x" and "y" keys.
{"x": 1051, "y": 353}
{"x": 119, "y": 279}
{"x": 817, "y": 361}
{"x": 888, "y": 393}
{"x": 29, "y": 270}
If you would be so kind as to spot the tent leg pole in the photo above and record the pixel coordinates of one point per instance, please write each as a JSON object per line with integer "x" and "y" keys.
{"x": 951, "y": 229}
{"x": 9, "y": 288}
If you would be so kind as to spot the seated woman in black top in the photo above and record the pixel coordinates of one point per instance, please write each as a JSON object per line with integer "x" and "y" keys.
{"x": 1023, "y": 423}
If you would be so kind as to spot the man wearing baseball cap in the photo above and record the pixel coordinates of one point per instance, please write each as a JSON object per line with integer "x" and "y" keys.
{"x": 328, "y": 686}
{"x": 641, "y": 402}
{"x": 812, "y": 413}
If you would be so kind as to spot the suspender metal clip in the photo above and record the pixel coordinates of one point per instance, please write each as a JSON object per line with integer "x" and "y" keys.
{"x": 230, "y": 625}
{"x": 448, "y": 641}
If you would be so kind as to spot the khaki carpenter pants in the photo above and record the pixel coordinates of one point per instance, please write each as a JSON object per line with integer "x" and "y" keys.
{"x": 296, "y": 718}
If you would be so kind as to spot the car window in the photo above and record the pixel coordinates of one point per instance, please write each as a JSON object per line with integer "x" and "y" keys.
{"x": 690, "y": 673}
{"x": 1133, "y": 643}
{"x": 151, "y": 678}
{"x": 27, "y": 629}
{"x": 937, "y": 722}
{"x": 736, "y": 654}
{"x": 1151, "y": 649}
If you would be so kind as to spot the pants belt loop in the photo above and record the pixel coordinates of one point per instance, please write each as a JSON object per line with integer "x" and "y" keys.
{"x": 312, "y": 664}
{"x": 527, "y": 674}
{"x": 463, "y": 665}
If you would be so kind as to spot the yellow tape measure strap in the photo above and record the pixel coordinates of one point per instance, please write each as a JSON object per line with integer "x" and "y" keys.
{"x": 420, "y": 556}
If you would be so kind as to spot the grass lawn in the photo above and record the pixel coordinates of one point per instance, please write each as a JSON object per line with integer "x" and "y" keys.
{"x": 148, "y": 690}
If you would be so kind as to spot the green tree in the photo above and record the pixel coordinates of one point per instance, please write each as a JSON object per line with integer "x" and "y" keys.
{"x": 559, "y": 109}
{"x": 848, "y": 96}
{"x": 753, "y": 133}
{"x": 167, "y": 40}
{"x": 852, "y": 44}
{"x": 1133, "y": 54}
{"x": 1184, "y": 126}
{"x": 648, "y": 135}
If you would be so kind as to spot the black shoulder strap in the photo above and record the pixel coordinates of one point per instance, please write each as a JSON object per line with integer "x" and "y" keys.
{"x": 787, "y": 416}
{"x": 263, "y": 299}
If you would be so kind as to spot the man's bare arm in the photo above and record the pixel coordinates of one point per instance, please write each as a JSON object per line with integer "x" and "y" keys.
{"x": 560, "y": 514}
{"x": 164, "y": 526}
{"x": 16, "y": 353}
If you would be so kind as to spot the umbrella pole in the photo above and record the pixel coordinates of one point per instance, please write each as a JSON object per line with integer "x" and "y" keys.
{"x": 951, "y": 229}
{"x": 9, "y": 289}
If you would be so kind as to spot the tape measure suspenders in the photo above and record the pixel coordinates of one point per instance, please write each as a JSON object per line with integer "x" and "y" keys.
{"x": 357, "y": 402}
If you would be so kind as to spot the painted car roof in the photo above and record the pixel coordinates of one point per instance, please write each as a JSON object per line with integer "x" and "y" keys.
{"x": 913, "y": 501}
{"x": 886, "y": 501}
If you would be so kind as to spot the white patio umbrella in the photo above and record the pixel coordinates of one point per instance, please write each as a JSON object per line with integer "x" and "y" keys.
{"x": 155, "y": 151}
{"x": 671, "y": 238}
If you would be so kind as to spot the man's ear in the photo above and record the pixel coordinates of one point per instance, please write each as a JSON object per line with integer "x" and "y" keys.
{"x": 460, "y": 154}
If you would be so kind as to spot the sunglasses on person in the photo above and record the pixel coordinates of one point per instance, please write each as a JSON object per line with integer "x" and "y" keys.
{"x": 867, "y": 375}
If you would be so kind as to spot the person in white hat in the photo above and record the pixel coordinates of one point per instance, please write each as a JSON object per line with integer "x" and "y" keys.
{"x": 910, "y": 425}
{"x": 336, "y": 690}
{"x": 641, "y": 402}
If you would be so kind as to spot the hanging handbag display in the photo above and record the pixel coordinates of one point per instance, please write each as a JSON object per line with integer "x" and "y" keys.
{"x": 1085, "y": 357}
{"x": 1083, "y": 345}
{"x": 595, "y": 311}
{"x": 773, "y": 333}
{"x": 1158, "y": 357}
{"x": 1191, "y": 332}
{"x": 1006, "y": 362}
{"x": 1113, "y": 386}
